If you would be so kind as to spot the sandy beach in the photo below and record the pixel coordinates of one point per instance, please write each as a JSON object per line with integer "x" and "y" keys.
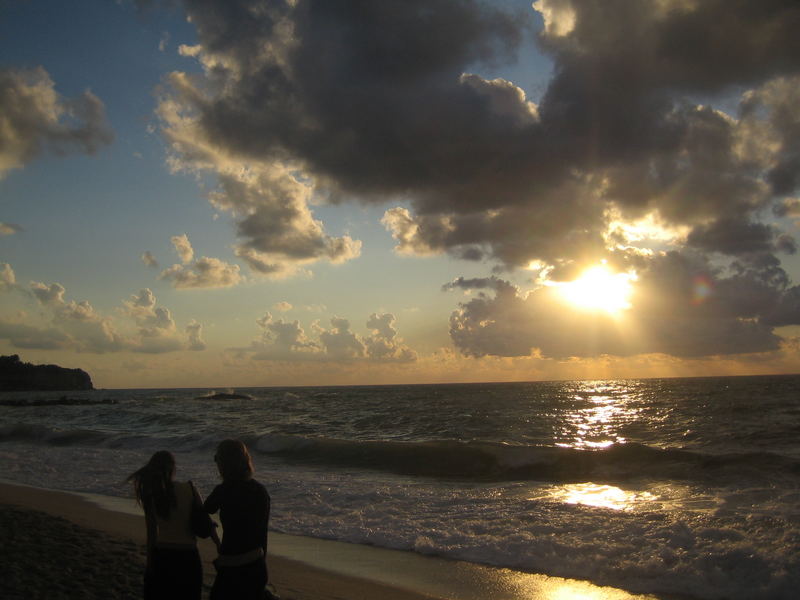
{"x": 60, "y": 545}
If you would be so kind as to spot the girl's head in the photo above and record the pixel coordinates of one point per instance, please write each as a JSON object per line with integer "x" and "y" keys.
{"x": 162, "y": 462}
{"x": 153, "y": 483}
{"x": 233, "y": 461}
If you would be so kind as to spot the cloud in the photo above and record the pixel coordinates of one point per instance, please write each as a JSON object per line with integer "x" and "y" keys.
{"x": 24, "y": 336}
{"x": 8, "y": 279}
{"x": 9, "y": 228}
{"x": 48, "y": 295}
{"x": 205, "y": 272}
{"x": 282, "y": 306}
{"x": 682, "y": 306}
{"x": 734, "y": 236}
{"x": 88, "y": 330}
{"x": 476, "y": 283}
{"x": 667, "y": 140}
{"x": 355, "y": 101}
{"x": 384, "y": 344}
{"x": 339, "y": 342}
{"x": 78, "y": 326}
{"x": 162, "y": 43}
{"x": 156, "y": 330}
{"x": 282, "y": 340}
{"x": 194, "y": 331}
{"x": 183, "y": 247}
{"x": 269, "y": 198}
{"x": 35, "y": 119}
{"x": 149, "y": 260}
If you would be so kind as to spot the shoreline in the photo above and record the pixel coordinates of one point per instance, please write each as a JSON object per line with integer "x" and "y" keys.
{"x": 313, "y": 569}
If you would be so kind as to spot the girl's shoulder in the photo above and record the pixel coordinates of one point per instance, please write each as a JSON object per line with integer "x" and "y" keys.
{"x": 182, "y": 487}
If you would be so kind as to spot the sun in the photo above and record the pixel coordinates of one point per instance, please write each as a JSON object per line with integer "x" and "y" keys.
{"x": 599, "y": 289}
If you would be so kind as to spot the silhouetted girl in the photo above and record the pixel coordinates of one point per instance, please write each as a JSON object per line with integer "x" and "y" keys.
{"x": 174, "y": 570}
{"x": 243, "y": 505}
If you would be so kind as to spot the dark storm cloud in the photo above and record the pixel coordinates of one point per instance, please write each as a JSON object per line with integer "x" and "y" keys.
{"x": 682, "y": 307}
{"x": 476, "y": 283}
{"x": 353, "y": 88}
{"x": 35, "y": 119}
{"x": 376, "y": 101}
{"x": 734, "y": 236}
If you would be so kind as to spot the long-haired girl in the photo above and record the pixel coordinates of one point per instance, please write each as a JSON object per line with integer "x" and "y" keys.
{"x": 174, "y": 569}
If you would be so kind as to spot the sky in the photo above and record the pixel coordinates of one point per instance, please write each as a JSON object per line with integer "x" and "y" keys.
{"x": 237, "y": 193}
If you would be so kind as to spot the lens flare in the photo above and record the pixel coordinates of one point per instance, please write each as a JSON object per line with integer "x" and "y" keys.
{"x": 702, "y": 288}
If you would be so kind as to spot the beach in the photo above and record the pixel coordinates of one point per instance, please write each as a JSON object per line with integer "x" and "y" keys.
{"x": 103, "y": 554}
{"x": 674, "y": 488}
{"x": 61, "y": 545}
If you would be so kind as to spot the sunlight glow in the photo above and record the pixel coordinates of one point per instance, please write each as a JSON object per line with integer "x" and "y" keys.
{"x": 599, "y": 289}
{"x": 601, "y": 496}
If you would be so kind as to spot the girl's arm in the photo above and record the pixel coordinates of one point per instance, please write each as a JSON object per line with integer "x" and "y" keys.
{"x": 205, "y": 507}
{"x": 215, "y": 537}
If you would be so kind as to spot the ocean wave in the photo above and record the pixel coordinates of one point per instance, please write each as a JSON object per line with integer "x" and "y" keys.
{"x": 61, "y": 401}
{"x": 52, "y": 436}
{"x": 479, "y": 461}
{"x": 505, "y": 462}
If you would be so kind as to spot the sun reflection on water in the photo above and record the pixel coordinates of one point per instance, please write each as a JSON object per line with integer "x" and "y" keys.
{"x": 601, "y": 410}
{"x": 600, "y": 496}
{"x": 527, "y": 586}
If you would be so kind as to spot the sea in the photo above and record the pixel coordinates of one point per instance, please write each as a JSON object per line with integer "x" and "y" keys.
{"x": 681, "y": 486}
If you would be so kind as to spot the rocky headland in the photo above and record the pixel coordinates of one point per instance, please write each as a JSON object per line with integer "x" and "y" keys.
{"x": 18, "y": 376}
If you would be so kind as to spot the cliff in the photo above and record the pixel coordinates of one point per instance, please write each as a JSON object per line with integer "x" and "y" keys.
{"x": 16, "y": 375}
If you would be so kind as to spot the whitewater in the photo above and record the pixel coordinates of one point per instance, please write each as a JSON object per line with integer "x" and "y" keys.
{"x": 667, "y": 486}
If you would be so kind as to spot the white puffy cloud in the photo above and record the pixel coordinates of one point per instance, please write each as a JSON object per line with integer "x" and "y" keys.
{"x": 183, "y": 247}
{"x": 339, "y": 342}
{"x": 157, "y": 332}
{"x": 34, "y": 119}
{"x": 383, "y": 343}
{"x": 282, "y": 340}
{"x": 205, "y": 272}
{"x": 282, "y": 306}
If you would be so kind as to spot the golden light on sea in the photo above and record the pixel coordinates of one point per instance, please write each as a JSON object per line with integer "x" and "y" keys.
{"x": 600, "y": 496}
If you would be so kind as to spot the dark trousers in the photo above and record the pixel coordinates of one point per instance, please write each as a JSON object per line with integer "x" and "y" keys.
{"x": 240, "y": 583}
{"x": 176, "y": 574}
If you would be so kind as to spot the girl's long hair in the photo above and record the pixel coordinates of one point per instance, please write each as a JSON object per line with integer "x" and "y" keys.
{"x": 234, "y": 461}
{"x": 153, "y": 484}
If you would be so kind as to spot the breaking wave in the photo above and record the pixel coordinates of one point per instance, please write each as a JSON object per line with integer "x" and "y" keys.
{"x": 480, "y": 461}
